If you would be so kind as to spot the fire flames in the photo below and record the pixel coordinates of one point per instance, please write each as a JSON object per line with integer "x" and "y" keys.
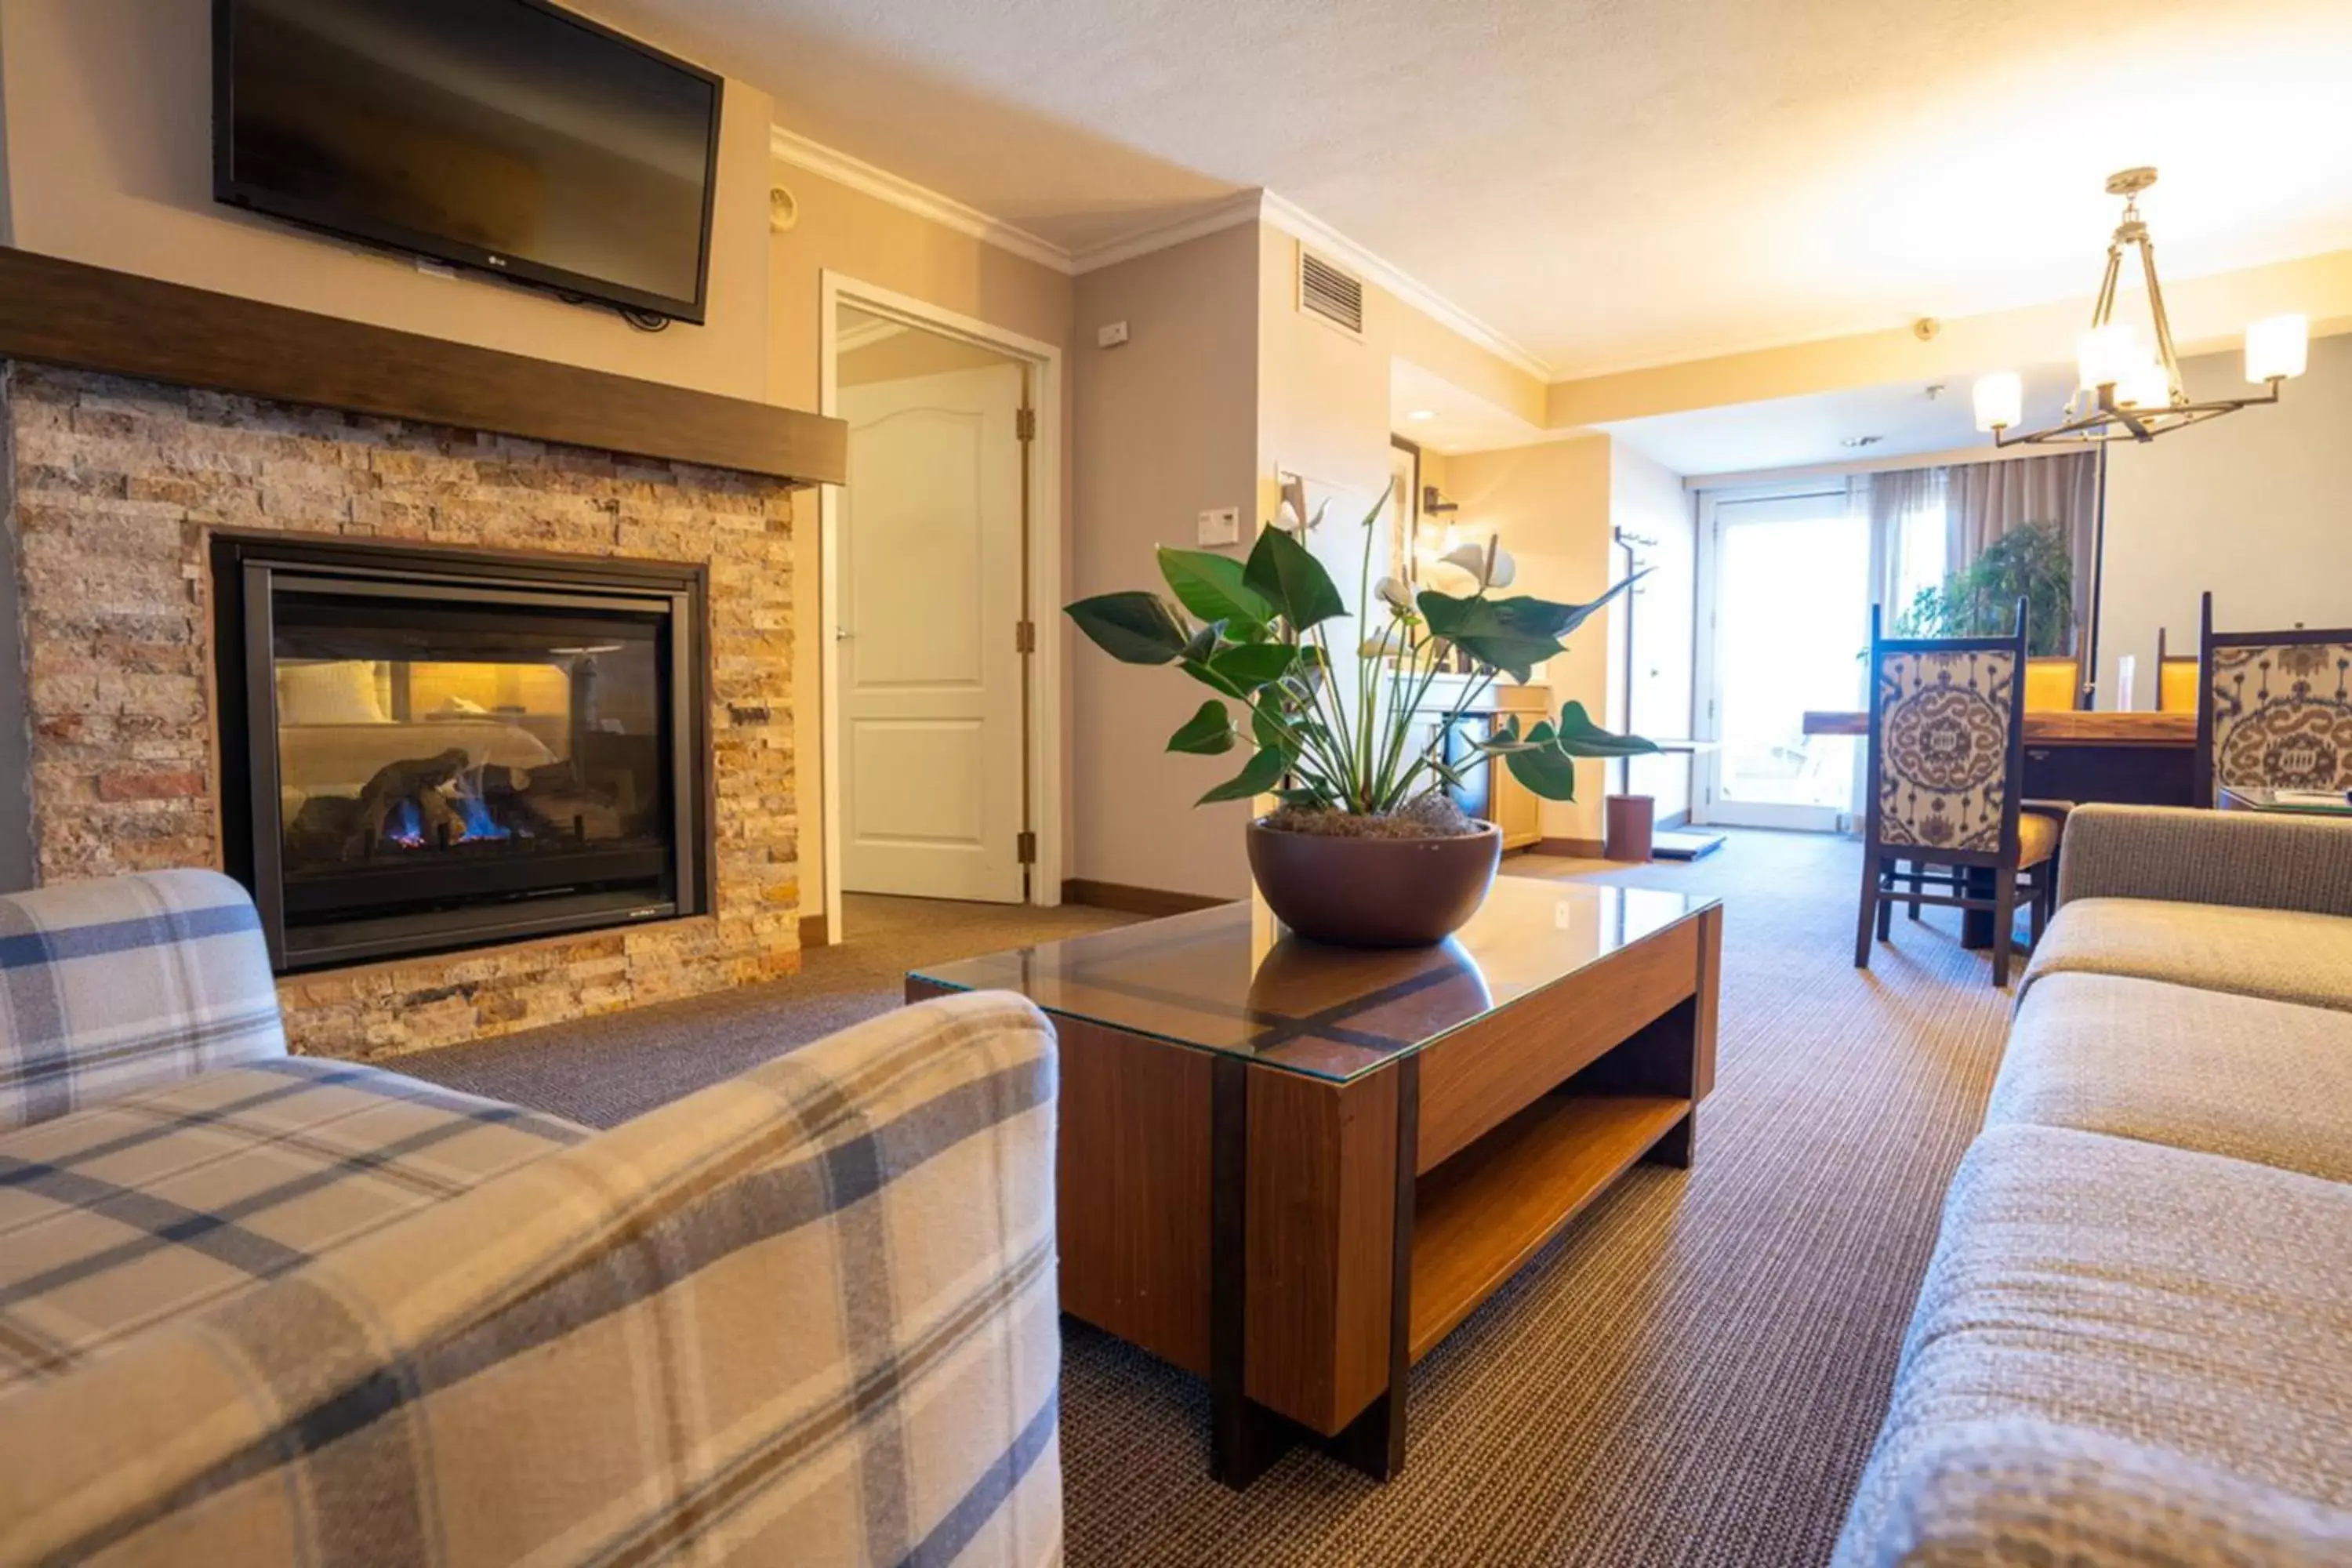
{"x": 404, "y": 825}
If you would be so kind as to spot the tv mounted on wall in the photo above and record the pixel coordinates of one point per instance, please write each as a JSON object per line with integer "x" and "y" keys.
{"x": 505, "y": 135}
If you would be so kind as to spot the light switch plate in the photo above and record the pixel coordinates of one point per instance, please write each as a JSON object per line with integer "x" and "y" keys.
{"x": 1222, "y": 525}
{"x": 1111, "y": 336}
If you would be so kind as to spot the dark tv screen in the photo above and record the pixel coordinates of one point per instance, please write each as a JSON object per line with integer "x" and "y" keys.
{"x": 502, "y": 134}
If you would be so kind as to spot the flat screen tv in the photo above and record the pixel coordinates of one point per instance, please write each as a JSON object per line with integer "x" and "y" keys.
{"x": 507, "y": 135}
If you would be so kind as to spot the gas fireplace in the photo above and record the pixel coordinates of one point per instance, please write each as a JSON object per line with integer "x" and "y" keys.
{"x": 424, "y": 750}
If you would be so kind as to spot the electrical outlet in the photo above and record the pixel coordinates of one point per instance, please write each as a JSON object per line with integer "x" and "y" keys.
{"x": 1222, "y": 525}
{"x": 1111, "y": 336}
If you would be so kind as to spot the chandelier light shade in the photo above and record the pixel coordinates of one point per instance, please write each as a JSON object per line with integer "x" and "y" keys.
{"x": 2278, "y": 348}
{"x": 1999, "y": 400}
{"x": 2127, "y": 390}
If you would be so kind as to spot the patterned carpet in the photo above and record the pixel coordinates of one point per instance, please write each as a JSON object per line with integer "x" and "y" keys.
{"x": 1691, "y": 1376}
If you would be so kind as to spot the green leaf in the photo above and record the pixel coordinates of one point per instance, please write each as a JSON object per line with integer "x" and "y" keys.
{"x": 1546, "y": 771}
{"x": 1259, "y": 775}
{"x": 1531, "y": 616}
{"x": 1134, "y": 627}
{"x": 1578, "y": 736}
{"x": 1208, "y": 733}
{"x": 1211, "y": 587}
{"x": 1201, "y": 646}
{"x": 1475, "y": 625}
{"x": 1207, "y": 676}
{"x": 1258, "y": 665}
{"x": 1293, "y": 581}
{"x": 1267, "y": 727}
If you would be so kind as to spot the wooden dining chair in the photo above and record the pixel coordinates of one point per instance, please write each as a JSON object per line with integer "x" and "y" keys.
{"x": 2273, "y": 710}
{"x": 2176, "y": 678}
{"x": 1944, "y": 808}
{"x": 2053, "y": 685}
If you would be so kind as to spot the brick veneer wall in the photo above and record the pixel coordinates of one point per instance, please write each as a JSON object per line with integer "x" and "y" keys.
{"x": 113, "y": 486}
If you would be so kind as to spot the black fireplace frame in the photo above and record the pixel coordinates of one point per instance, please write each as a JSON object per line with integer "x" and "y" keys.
{"x": 245, "y": 566}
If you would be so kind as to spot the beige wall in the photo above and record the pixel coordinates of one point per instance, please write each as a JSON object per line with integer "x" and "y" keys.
{"x": 1163, "y": 428}
{"x": 2256, "y": 507}
{"x": 1648, "y": 500}
{"x": 109, "y": 137}
{"x": 871, "y": 242}
{"x": 2205, "y": 312}
{"x": 1550, "y": 503}
{"x": 1323, "y": 416}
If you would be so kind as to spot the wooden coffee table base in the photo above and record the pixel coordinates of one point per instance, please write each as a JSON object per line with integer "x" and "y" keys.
{"x": 1301, "y": 1242}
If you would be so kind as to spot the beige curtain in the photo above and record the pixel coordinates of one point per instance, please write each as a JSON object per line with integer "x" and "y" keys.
{"x": 1985, "y": 501}
{"x": 1896, "y": 497}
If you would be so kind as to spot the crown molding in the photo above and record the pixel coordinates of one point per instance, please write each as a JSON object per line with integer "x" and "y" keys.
{"x": 1243, "y": 206}
{"x": 791, "y": 147}
{"x": 1231, "y": 212}
{"x": 1301, "y": 224}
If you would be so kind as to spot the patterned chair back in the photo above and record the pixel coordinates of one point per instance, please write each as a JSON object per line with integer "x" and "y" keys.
{"x": 1947, "y": 742}
{"x": 2274, "y": 709}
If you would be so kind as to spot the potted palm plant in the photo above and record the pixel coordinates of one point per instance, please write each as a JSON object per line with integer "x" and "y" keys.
{"x": 1366, "y": 845}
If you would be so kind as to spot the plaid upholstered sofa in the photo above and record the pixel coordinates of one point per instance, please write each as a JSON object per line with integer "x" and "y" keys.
{"x": 260, "y": 1310}
{"x": 2135, "y": 1343}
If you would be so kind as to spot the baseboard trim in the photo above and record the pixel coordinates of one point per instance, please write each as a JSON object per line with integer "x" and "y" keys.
{"x": 813, "y": 931}
{"x": 1674, "y": 823}
{"x": 1132, "y": 900}
{"x": 1572, "y": 848}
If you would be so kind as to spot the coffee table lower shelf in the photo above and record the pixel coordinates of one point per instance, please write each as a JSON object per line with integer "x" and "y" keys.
{"x": 1484, "y": 1213}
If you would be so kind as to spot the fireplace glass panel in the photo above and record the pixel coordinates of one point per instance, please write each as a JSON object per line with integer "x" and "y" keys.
{"x": 436, "y": 752}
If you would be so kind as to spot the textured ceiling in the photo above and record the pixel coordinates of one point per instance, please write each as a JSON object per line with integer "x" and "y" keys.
{"x": 1610, "y": 183}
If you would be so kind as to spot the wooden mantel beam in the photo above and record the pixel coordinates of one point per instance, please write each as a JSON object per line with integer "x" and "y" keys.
{"x": 65, "y": 313}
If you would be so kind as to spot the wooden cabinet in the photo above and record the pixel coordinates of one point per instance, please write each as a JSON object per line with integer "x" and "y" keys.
{"x": 1512, "y": 807}
{"x": 1488, "y": 789}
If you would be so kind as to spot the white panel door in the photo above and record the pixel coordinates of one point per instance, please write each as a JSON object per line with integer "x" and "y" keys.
{"x": 931, "y": 678}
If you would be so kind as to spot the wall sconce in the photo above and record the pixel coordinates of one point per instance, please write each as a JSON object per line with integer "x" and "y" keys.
{"x": 1434, "y": 502}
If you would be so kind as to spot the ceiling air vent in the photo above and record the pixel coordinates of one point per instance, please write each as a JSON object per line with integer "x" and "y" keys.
{"x": 1324, "y": 290}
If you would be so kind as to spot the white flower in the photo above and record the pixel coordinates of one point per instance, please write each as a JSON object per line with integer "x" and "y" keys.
{"x": 1489, "y": 565}
{"x": 1286, "y": 518}
{"x": 1398, "y": 597}
{"x": 1390, "y": 643}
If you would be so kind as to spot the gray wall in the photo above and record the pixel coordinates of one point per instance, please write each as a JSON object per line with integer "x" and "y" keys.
{"x": 1162, "y": 427}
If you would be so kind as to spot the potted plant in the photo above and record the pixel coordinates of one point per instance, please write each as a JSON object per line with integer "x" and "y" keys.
{"x": 1366, "y": 847}
{"x": 2032, "y": 562}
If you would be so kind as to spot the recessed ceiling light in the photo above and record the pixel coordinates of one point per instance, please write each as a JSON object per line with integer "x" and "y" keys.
{"x": 1418, "y": 414}
{"x": 1862, "y": 440}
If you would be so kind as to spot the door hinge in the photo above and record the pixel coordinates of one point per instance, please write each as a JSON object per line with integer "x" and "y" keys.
{"x": 1025, "y": 849}
{"x": 1025, "y": 424}
{"x": 1024, "y": 637}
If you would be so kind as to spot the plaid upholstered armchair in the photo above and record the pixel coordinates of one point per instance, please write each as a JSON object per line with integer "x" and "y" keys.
{"x": 257, "y": 1308}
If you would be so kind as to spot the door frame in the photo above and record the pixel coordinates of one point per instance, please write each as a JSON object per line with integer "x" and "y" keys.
{"x": 1043, "y": 581}
{"x": 1706, "y": 691}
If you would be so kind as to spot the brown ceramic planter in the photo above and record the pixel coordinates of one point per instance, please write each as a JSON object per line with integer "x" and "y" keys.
{"x": 1374, "y": 892}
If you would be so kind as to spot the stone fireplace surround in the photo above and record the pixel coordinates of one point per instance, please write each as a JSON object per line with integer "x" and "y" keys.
{"x": 114, "y": 487}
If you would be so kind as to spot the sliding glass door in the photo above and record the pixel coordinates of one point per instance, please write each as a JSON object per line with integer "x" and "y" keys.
{"x": 1785, "y": 601}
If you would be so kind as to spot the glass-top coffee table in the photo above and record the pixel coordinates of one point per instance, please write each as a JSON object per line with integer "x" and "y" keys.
{"x": 1293, "y": 1169}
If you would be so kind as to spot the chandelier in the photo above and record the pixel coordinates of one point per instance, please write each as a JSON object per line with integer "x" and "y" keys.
{"x": 2130, "y": 390}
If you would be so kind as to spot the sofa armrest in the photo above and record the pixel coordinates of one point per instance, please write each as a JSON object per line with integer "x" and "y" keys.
{"x": 2252, "y": 859}
{"x": 808, "y": 1315}
{"x": 116, "y": 984}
